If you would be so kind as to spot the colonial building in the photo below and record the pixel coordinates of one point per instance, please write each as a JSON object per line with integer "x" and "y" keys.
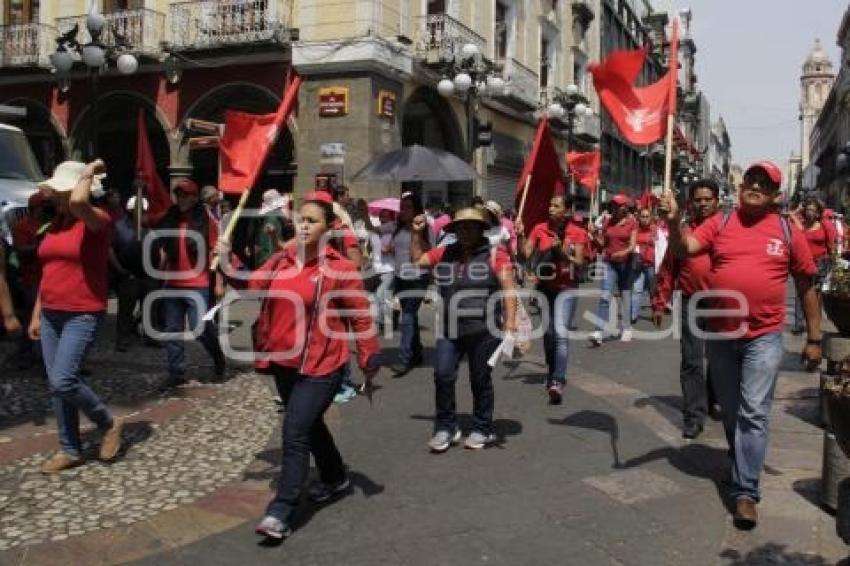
{"x": 719, "y": 156}
{"x": 371, "y": 69}
{"x": 815, "y": 84}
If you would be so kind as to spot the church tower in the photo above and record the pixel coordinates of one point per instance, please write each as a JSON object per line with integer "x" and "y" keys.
{"x": 815, "y": 84}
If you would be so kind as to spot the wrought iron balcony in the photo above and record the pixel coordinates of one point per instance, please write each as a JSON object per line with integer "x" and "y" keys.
{"x": 207, "y": 24}
{"x": 26, "y": 45}
{"x": 440, "y": 37}
{"x": 523, "y": 83}
{"x": 142, "y": 29}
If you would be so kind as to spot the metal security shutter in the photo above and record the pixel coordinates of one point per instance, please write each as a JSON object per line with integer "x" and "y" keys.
{"x": 501, "y": 185}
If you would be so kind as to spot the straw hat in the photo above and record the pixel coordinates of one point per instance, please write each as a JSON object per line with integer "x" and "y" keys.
{"x": 470, "y": 214}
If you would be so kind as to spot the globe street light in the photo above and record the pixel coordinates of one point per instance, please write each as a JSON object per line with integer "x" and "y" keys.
{"x": 95, "y": 55}
{"x": 569, "y": 105}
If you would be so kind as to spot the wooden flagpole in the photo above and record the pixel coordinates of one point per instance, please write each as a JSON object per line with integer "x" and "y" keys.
{"x": 668, "y": 158}
{"x": 524, "y": 196}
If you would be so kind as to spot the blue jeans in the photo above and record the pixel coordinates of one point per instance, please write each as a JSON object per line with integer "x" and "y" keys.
{"x": 556, "y": 342}
{"x": 478, "y": 348}
{"x": 410, "y": 344}
{"x": 744, "y": 374}
{"x": 644, "y": 285}
{"x": 177, "y": 310}
{"x": 306, "y": 399}
{"x": 618, "y": 276}
{"x": 65, "y": 338}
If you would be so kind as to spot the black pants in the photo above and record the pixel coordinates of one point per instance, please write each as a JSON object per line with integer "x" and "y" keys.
{"x": 697, "y": 392}
{"x": 304, "y": 432}
{"x": 478, "y": 347}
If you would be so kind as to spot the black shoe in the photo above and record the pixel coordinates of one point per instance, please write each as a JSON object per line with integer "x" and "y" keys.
{"x": 715, "y": 412}
{"x": 691, "y": 430}
{"x": 321, "y": 492}
{"x": 219, "y": 365}
{"x": 173, "y": 381}
{"x": 400, "y": 370}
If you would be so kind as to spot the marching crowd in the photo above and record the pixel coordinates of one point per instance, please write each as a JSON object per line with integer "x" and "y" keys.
{"x": 336, "y": 270}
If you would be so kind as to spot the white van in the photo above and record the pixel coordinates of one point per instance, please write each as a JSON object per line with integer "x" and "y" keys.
{"x": 19, "y": 175}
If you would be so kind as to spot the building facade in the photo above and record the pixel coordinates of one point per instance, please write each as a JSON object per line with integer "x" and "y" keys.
{"x": 370, "y": 70}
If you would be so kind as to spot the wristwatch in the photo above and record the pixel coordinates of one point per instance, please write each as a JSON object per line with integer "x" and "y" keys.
{"x": 813, "y": 342}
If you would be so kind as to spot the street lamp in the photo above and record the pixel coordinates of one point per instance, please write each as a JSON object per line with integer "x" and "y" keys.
{"x": 95, "y": 55}
{"x": 569, "y": 103}
{"x": 471, "y": 77}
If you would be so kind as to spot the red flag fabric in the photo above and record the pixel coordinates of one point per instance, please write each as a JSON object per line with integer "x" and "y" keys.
{"x": 247, "y": 140}
{"x": 546, "y": 174}
{"x": 158, "y": 195}
{"x": 647, "y": 200}
{"x": 584, "y": 167}
{"x": 640, "y": 113}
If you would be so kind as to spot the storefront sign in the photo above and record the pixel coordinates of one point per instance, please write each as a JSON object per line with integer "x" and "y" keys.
{"x": 333, "y": 101}
{"x": 386, "y": 104}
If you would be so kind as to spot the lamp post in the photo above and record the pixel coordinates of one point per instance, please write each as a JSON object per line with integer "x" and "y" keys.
{"x": 471, "y": 77}
{"x": 573, "y": 105}
{"x": 95, "y": 55}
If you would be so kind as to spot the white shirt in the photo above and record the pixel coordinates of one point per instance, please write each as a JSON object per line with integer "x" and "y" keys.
{"x": 498, "y": 235}
{"x": 404, "y": 268}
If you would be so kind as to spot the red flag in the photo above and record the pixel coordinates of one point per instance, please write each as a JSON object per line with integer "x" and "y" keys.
{"x": 159, "y": 197}
{"x": 647, "y": 200}
{"x": 247, "y": 140}
{"x": 547, "y": 180}
{"x": 584, "y": 167}
{"x": 639, "y": 112}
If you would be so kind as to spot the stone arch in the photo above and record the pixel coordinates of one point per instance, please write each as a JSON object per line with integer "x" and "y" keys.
{"x": 428, "y": 119}
{"x": 47, "y": 138}
{"x": 117, "y": 115}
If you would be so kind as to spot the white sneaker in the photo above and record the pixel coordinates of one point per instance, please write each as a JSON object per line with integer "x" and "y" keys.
{"x": 443, "y": 439}
{"x": 596, "y": 339}
{"x": 626, "y": 336}
{"x": 478, "y": 440}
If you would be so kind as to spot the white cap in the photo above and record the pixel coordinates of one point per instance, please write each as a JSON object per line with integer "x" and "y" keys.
{"x": 67, "y": 174}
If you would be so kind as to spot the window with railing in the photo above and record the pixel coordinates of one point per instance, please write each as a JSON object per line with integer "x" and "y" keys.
{"x": 16, "y": 12}
{"x": 501, "y": 31}
{"x": 436, "y": 7}
{"x": 545, "y": 62}
{"x": 119, "y": 5}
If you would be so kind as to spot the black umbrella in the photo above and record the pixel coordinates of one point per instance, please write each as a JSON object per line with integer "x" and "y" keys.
{"x": 416, "y": 163}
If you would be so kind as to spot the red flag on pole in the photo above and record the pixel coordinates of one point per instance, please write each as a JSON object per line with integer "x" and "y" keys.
{"x": 584, "y": 167}
{"x": 159, "y": 197}
{"x": 546, "y": 178}
{"x": 640, "y": 113}
{"x": 247, "y": 140}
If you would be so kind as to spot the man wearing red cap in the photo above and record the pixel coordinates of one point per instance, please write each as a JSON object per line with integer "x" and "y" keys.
{"x": 753, "y": 250}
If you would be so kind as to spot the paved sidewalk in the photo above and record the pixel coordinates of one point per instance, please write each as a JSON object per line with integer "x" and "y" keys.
{"x": 603, "y": 479}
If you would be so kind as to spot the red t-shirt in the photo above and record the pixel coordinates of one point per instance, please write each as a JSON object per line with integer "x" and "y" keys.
{"x": 184, "y": 261}
{"x": 25, "y": 234}
{"x": 646, "y": 242}
{"x": 820, "y": 240}
{"x": 618, "y": 237}
{"x": 541, "y": 238}
{"x": 74, "y": 267}
{"x": 752, "y": 258}
{"x": 499, "y": 257}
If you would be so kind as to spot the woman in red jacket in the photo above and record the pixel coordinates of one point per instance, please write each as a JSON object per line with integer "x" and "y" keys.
{"x": 315, "y": 298}
{"x": 70, "y": 308}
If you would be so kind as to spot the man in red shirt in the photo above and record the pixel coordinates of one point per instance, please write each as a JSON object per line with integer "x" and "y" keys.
{"x": 689, "y": 275}
{"x": 557, "y": 249}
{"x": 753, "y": 250}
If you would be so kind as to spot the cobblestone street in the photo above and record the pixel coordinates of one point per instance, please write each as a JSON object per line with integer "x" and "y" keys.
{"x": 603, "y": 479}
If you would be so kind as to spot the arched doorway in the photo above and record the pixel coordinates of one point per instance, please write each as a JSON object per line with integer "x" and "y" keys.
{"x": 117, "y": 131}
{"x": 44, "y": 134}
{"x": 429, "y": 120}
{"x": 279, "y": 167}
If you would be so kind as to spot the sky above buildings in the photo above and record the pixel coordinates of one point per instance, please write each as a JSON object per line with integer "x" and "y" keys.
{"x": 749, "y": 60}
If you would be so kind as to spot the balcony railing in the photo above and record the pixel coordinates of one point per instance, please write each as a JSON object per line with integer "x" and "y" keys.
{"x": 444, "y": 35}
{"x": 142, "y": 29}
{"x": 209, "y": 24}
{"x": 523, "y": 83}
{"x": 26, "y": 45}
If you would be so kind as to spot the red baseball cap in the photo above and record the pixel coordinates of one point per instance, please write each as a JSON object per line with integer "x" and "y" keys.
{"x": 186, "y": 186}
{"x": 319, "y": 196}
{"x": 770, "y": 169}
{"x": 620, "y": 199}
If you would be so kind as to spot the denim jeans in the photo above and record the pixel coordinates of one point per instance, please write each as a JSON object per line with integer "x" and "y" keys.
{"x": 692, "y": 372}
{"x": 644, "y": 285}
{"x": 410, "y": 344}
{"x": 177, "y": 310}
{"x": 556, "y": 343}
{"x": 618, "y": 276}
{"x": 478, "y": 348}
{"x": 744, "y": 373}
{"x": 306, "y": 399}
{"x": 65, "y": 338}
